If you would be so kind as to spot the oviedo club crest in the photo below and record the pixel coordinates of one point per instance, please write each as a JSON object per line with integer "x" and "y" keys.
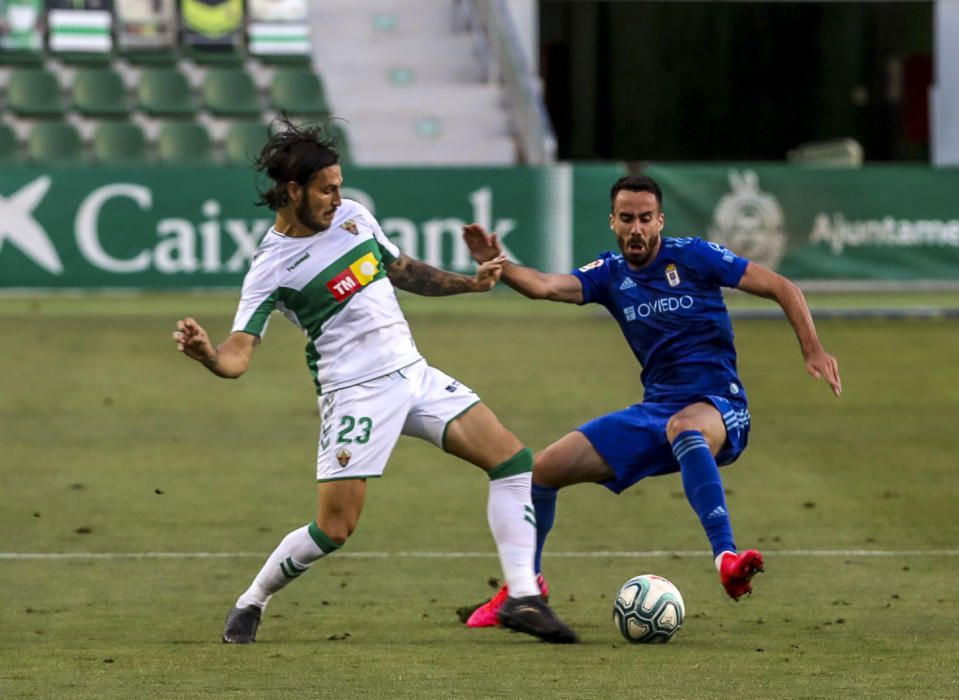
{"x": 749, "y": 221}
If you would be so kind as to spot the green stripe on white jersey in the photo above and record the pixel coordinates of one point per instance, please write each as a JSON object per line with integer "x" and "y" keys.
{"x": 334, "y": 286}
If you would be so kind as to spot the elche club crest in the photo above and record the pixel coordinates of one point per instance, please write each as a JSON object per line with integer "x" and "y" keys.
{"x": 343, "y": 456}
{"x": 749, "y": 221}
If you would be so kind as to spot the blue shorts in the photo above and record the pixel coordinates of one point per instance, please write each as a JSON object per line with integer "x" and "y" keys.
{"x": 634, "y": 443}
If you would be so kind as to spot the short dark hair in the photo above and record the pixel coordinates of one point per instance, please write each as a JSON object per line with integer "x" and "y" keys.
{"x": 636, "y": 183}
{"x": 293, "y": 154}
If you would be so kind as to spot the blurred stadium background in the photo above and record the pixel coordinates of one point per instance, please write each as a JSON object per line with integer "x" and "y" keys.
{"x": 815, "y": 137}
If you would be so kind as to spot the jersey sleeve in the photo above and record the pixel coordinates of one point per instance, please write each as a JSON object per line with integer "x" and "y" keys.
{"x": 257, "y": 302}
{"x": 718, "y": 264}
{"x": 388, "y": 250}
{"x": 594, "y": 277}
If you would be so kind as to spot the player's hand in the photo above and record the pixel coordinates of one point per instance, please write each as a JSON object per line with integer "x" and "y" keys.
{"x": 192, "y": 340}
{"x": 489, "y": 273}
{"x": 481, "y": 244}
{"x": 821, "y": 365}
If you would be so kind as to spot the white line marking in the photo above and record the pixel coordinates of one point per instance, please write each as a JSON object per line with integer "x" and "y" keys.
{"x": 654, "y": 554}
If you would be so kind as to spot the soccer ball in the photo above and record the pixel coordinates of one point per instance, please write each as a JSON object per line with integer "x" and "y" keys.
{"x": 648, "y": 609}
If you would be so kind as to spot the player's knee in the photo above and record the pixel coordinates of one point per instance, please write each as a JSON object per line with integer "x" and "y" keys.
{"x": 337, "y": 529}
{"x": 544, "y": 470}
{"x": 679, "y": 424}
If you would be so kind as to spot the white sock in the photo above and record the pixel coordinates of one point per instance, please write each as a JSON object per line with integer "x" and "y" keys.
{"x": 512, "y": 521}
{"x": 719, "y": 559}
{"x": 289, "y": 560}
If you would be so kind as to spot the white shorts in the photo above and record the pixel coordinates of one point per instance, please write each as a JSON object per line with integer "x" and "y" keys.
{"x": 360, "y": 424}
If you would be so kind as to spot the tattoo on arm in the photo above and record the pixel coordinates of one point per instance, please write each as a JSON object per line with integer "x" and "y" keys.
{"x": 414, "y": 276}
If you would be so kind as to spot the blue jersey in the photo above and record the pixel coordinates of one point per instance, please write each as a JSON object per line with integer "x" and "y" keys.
{"x": 673, "y": 316}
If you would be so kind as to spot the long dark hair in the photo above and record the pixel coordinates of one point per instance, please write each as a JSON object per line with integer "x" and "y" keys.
{"x": 294, "y": 153}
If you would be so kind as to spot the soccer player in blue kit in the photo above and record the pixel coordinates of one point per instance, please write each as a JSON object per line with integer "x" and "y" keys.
{"x": 665, "y": 293}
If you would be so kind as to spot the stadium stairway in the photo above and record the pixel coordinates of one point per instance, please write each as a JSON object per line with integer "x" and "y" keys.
{"x": 410, "y": 81}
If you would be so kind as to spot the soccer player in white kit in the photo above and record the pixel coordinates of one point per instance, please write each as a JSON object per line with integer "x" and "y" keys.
{"x": 328, "y": 267}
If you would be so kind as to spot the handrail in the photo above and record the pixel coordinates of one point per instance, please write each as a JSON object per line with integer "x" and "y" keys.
{"x": 535, "y": 133}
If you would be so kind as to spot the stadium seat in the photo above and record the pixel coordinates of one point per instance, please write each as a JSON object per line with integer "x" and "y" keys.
{"x": 165, "y": 92}
{"x": 21, "y": 58}
{"x": 213, "y": 30}
{"x": 86, "y": 59}
{"x": 285, "y": 60}
{"x": 54, "y": 141}
{"x": 837, "y": 153}
{"x": 217, "y": 56}
{"x": 34, "y": 92}
{"x": 244, "y": 140}
{"x": 81, "y": 33}
{"x": 230, "y": 92}
{"x": 184, "y": 142}
{"x": 22, "y": 32}
{"x": 299, "y": 92}
{"x": 119, "y": 142}
{"x": 151, "y": 57}
{"x": 100, "y": 92}
{"x": 146, "y": 32}
{"x": 9, "y": 147}
{"x": 285, "y": 42}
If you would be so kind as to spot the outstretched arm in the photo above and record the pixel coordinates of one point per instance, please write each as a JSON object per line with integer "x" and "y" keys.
{"x": 525, "y": 280}
{"x": 764, "y": 282}
{"x": 229, "y": 359}
{"x": 418, "y": 277}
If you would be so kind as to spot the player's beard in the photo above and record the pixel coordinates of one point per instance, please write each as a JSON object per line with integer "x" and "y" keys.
{"x": 304, "y": 212}
{"x": 641, "y": 258}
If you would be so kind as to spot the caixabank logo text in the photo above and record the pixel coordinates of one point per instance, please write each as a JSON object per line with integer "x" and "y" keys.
{"x": 65, "y": 231}
{"x": 20, "y": 229}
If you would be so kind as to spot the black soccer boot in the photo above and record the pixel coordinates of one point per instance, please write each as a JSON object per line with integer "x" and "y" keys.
{"x": 533, "y": 616}
{"x": 241, "y": 625}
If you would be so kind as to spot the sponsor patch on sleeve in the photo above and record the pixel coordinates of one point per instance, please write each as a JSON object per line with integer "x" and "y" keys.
{"x": 589, "y": 266}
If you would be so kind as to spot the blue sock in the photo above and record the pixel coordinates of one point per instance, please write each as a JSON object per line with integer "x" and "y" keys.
{"x": 544, "y": 503}
{"x": 704, "y": 489}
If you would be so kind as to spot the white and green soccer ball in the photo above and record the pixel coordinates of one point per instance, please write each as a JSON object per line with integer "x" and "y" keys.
{"x": 648, "y": 609}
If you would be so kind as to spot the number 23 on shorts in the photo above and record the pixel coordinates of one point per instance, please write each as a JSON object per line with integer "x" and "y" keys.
{"x": 354, "y": 430}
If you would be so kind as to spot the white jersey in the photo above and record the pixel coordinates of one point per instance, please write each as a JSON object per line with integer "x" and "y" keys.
{"x": 333, "y": 286}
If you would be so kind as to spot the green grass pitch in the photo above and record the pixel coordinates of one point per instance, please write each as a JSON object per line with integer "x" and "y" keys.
{"x": 111, "y": 443}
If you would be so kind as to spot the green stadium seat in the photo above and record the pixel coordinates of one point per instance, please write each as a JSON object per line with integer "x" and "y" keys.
{"x": 184, "y": 142}
{"x": 100, "y": 92}
{"x": 165, "y": 92}
{"x": 244, "y": 141}
{"x": 285, "y": 60}
{"x": 274, "y": 39}
{"x": 217, "y": 56}
{"x": 230, "y": 92}
{"x": 299, "y": 92}
{"x": 151, "y": 57}
{"x": 54, "y": 141}
{"x": 21, "y": 58}
{"x": 80, "y": 32}
{"x": 87, "y": 59}
{"x": 34, "y": 92}
{"x": 119, "y": 142}
{"x": 9, "y": 146}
